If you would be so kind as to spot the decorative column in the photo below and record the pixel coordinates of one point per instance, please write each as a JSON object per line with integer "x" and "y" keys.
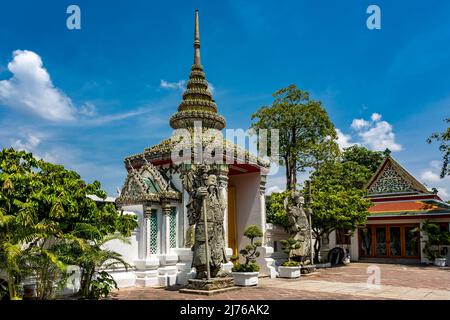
{"x": 262, "y": 198}
{"x": 143, "y": 234}
{"x": 146, "y": 267}
{"x": 165, "y": 229}
{"x": 223, "y": 187}
{"x": 265, "y": 260}
{"x": 167, "y": 273}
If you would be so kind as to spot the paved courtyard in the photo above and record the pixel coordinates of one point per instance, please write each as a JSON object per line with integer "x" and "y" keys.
{"x": 345, "y": 282}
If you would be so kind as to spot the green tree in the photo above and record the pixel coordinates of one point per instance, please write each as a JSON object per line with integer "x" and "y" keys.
{"x": 289, "y": 246}
{"x": 306, "y": 134}
{"x": 276, "y": 213}
{"x": 20, "y": 224}
{"x": 41, "y": 205}
{"x": 250, "y": 252}
{"x": 437, "y": 237}
{"x": 363, "y": 156}
{"x": 444, "y": 147}
{"x": 337, "y": 191}
{"x": 92, "y": 259}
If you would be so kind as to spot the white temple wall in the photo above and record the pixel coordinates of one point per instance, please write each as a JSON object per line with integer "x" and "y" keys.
{"x": 248, "y": 204}
{"x": 129, "y": 251}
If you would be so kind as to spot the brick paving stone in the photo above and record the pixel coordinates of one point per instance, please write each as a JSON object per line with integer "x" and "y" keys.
{"x": 344, "y": 283}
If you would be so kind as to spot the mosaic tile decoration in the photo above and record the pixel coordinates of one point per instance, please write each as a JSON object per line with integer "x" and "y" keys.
{"x": 173, "y": 227}
{"x": 390, "y": 182}
{"x": 153, "y": 231}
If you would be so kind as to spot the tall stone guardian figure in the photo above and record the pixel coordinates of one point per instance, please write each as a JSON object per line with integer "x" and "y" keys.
{"x": 206, "y": 200}
{"x": 299, "y": 225}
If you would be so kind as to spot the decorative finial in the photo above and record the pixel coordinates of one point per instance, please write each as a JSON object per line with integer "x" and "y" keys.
{"x": 197, "y": 102}
{"x": 196, "y": 40}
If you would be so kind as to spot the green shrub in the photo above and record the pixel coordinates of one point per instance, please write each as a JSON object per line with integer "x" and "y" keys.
{"x": 251, "y": 267}
{"x": 250, "y": 252}
{"x": 102, "y": 285}
{"x": 436, "y": 239}
{"x": 276, "y": 212}
{"x": 290, "y": 264}
{"x": 289, "y": 246}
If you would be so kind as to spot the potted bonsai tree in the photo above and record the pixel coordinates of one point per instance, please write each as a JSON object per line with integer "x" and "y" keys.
{"x": 436, "y": 239}
{"x": 246, "y": 274}
{"x": 290, "y": 268}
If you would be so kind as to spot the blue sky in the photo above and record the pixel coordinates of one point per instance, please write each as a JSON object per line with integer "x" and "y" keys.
{"x": 107, "y": 91}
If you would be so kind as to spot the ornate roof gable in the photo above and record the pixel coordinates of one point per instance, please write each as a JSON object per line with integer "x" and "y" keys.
{"x": 146, "y": 185}
{"x": 391, "y": 177}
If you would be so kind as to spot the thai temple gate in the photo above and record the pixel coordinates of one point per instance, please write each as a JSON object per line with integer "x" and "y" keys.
{"x": 153, "y": 190}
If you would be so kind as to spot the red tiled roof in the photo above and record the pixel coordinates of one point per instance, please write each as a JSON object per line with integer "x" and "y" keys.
{"x": 401, "y": 206}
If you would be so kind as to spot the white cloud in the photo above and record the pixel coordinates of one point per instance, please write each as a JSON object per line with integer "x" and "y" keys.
{"x": 276, "y": 183}
{"x": 211, "y": 88}
{"x": 32, "y": 142}
{"x": 430, "y": 176}
{"x": 273, "y": 189}
{"x": 114, "y": 117}
{"x": 180, "y": 85}
{"x": 375, "y": 117}
{"x": 379, "y": 137}
{"x": 88, "y": 109}
{"x": 376, "y": 135}
{"x": 443, "y": 193}
{"x": 27, "y": 143}
{"x": 30, "y": 89}
{"x": 344, "y": 140}
{"x": 358, "y": 124}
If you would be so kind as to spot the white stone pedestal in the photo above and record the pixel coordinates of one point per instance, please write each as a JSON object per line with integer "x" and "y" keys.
{"x": 146, "y": 272}
{"x": 266, "y": 262}
{"x": 167, "y": 273}
{"x": 184, "y": 265}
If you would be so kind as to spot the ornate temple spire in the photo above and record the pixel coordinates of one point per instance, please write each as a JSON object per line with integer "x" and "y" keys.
{"x": 196, "y": 41}
{"x": 197, "y": 103}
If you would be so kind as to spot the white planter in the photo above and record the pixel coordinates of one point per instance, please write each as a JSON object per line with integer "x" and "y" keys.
{"x": 245, "y": 279}
{"x": 323, "y": 265}
{"x": 440, "y": 262}
{"x": 289, "y": 272}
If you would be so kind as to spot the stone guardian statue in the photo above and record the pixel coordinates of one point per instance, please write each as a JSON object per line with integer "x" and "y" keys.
{"x": 203, "y": 188}
{"x": 299, "y": 224}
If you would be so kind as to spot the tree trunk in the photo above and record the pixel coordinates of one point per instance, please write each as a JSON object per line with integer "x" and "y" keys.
{"x": 317, "y": 246}
{"x": 12, "y": 288}
{"x": 291, "y": 174}
{"x": 288, "y": 174}
{"x": 294, "y": 175}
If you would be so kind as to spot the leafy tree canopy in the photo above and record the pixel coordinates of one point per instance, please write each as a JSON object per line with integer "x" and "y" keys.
{"x": 306, "y": 134}
{"x": 444, "y": 147}
{"x": 363, "y": 156}
{"x": 41, "y": 201}
{"x": 337, "y": 190}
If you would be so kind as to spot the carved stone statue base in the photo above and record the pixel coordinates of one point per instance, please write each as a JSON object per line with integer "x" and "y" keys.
{"x": 209, "y": 287}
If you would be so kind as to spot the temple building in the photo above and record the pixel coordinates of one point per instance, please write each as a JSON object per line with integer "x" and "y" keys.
{"x": 160, "y": 251}
{"x": 400, "y": 206}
